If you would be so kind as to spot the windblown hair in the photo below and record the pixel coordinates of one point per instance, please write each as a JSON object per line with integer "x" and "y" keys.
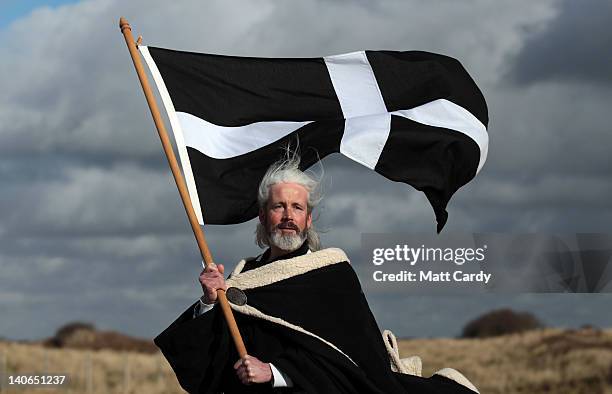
{"x": 287, "y": 170}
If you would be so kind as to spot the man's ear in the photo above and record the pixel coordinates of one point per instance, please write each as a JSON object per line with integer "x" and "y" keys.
{"x": 262, "y": 216}
{"x": 309, "y": 220}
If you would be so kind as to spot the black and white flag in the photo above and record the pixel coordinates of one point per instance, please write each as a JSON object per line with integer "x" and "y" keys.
{"x": 414, "y": 117}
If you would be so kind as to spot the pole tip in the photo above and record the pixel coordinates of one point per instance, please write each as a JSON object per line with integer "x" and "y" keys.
{"x": 123, "y": 24}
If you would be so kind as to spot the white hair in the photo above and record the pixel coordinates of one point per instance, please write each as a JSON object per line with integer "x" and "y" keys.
{"x": 287, "y": 170}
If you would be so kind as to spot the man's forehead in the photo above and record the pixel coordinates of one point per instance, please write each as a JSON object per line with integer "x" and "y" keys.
{"x": 288, "y": 189}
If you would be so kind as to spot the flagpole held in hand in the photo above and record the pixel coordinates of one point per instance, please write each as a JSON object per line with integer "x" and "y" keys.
{"x": 180, "y": 182}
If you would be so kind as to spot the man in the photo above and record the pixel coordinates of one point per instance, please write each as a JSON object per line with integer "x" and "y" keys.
{"x": 306, "y": 323}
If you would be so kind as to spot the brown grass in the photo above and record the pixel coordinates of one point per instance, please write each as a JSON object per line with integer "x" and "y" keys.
{"x": 534, "y": 362}
{"x": 103, "y": 371}
{"x": 540, "y": 361}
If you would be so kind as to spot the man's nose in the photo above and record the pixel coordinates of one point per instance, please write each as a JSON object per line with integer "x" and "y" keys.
{"x": 287, "y": 214}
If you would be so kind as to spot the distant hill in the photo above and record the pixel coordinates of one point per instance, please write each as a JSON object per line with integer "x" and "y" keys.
{"x": 80, "y": 335}
{"x": 500, "y": 322}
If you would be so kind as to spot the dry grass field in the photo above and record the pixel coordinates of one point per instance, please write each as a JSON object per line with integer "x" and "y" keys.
{"x": 540, "y": 361}
{"x": 101, "y": 371}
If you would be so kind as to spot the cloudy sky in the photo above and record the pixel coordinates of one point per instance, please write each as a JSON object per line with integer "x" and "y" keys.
{"x": 91, "y": 226}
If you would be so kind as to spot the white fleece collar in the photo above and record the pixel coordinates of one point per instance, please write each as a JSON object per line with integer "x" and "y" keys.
{"x": 283, "y": 269}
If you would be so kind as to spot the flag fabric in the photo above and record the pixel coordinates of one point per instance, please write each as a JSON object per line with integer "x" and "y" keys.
{"x": 414, "y": 117}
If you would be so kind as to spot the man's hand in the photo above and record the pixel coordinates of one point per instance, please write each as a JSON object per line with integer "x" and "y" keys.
{"x": 250, "y": 370}
{"x": 211, "y": 279}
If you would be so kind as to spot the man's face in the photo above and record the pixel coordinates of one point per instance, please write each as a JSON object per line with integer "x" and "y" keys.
{"x": 286, "y": 211}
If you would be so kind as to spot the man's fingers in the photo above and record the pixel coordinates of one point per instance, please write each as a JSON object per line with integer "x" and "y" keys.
{"x": 211, "y": 279}
{"x": 248, "y": 370}
{"x": 245, "y": 376}
{"x": 242, "y": 361}
{"x": 221, "y": 268}
{"x": 211, "y": 276}
{"x": 212, "y": 267}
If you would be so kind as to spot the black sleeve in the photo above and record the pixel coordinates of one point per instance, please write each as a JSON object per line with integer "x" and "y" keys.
{"x": 196, "y": 349}
{"x": 315, "y": 369}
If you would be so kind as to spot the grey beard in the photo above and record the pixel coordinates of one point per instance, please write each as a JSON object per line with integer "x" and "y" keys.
{"x": 289, "y": 242}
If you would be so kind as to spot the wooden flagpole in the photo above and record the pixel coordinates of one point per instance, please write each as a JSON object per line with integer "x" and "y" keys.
{"x": 180, "y": 182}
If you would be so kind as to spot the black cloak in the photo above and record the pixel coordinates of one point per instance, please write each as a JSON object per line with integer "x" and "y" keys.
{"x": 306, "y": 314}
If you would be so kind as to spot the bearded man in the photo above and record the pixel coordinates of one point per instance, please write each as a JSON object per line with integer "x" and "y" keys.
{"x": 305, "y": 323}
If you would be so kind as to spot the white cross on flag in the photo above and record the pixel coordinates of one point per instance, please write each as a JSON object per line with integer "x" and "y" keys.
{"x": 413, "y": 117}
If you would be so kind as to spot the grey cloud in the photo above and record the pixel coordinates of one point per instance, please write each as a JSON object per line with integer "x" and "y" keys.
{"x": 479, "y": 33}
{"x": 563, "y": 190}
{"x": 91, "y": 226}
{"x": 573, "y": 46}
{"x": 89, "y": 200}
